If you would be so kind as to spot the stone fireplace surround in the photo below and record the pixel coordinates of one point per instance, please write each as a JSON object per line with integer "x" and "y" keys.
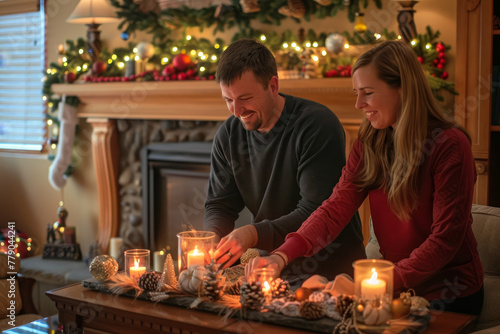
{"x": 162, "y": 111}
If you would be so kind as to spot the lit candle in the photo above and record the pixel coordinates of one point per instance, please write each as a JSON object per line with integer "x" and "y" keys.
{"x": 195, "y": 257}
{"x": 372, "y": 288}
{"x": 266, "y": 291}
{"x": 158, "y": 259}
{"x": 136, "y": 271}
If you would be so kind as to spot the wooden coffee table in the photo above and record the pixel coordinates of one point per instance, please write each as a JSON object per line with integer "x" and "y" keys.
{"x": 82, "y": 310}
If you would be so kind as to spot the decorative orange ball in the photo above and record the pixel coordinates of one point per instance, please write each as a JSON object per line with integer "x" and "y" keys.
{"x": 302, "y": 294}
{"x": 400, "y": 308}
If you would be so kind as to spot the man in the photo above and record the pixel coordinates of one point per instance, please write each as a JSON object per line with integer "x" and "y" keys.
{"x": 278, "y": 155}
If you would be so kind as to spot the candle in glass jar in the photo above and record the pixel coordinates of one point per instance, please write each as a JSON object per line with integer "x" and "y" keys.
{"x": 266, "y": 291}
{"x": 136, "y": 271}
{"x": 372, "y": 288}
{"x": 195, "y": 257}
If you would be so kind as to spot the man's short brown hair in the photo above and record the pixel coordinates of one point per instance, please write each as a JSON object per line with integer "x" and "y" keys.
{"x": 246, "y": 55}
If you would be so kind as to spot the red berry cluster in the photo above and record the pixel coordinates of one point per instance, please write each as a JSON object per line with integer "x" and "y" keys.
{"x": 188, "y": 75}
{"x": 440, "y": 61}
{"x": 339, "y": 71}
{"x": 117, "y": 78}
{"x": 171, "y": 73}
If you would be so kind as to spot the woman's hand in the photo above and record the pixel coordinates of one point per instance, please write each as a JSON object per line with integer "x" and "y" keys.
{"x": 276, "y": 262}
{"x": 233, "y": 245}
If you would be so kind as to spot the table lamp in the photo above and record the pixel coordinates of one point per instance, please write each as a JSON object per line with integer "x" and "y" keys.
{"x": 93, "y": 13}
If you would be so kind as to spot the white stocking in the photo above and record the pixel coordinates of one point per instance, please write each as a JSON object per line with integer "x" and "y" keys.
{"x": 68, "y": 120}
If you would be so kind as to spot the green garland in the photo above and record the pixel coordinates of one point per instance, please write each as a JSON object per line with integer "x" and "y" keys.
{"x": 221, "y": 17}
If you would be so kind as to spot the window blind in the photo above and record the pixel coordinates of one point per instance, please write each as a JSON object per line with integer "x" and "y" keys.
{"x": 8, "y": 7}
{"x": 22, "y": 111}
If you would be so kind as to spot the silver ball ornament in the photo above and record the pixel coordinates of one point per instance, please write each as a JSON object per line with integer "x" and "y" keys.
{"x": 145, "y": 50}
{"x": 335, "y": 43}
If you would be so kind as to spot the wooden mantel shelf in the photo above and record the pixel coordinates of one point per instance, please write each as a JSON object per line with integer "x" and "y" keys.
{"x": 195, "y": 100}
{"x": 104, "y": 103}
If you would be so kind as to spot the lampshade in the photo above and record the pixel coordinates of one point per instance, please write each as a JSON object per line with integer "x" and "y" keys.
{"x": 93, "y": 12}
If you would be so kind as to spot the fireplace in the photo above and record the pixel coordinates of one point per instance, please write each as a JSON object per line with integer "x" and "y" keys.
{"x": 175, "y": 183}
{"x": 175, "y": 179}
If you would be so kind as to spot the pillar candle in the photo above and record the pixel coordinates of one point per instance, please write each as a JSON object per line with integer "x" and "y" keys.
{"x": 136, "y": 271}
{"x": 371, "y": 288}
{"x": 195, "y": 257}
{"x": 115, "y": 247}
{"x": 158, "y": 260}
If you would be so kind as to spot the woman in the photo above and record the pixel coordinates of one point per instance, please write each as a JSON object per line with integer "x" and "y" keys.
{"x": 418, "y": 171}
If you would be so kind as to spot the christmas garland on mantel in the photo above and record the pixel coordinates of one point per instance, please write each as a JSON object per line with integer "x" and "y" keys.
{"x": 160, "y": 21}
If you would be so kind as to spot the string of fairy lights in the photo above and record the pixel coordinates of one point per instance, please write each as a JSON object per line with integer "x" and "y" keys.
{"x": 19, "y": 244}
{"x": 152, "y": 62}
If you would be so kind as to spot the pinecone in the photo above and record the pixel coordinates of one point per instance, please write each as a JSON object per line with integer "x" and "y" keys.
{"x": 103, "y": 267}
{"x": 311, "y": 310}
{"x": 343, "y": 302}
{"x": 281, "y": 289}
{"x": 294, "y": 8}
{"x": 324, "y": 2}
{"x": 213, "y": 282}
{"x": 149, "y": 281}
{"x": 251, "y": 296}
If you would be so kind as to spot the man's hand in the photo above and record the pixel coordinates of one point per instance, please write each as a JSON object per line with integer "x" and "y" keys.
{"x": 276, "y": 262}
{"x": 233, "y": 245}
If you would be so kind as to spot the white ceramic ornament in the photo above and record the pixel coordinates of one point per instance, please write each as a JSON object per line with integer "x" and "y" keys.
{"x": 373, "y": 315}
{"x": 191, "y": 278}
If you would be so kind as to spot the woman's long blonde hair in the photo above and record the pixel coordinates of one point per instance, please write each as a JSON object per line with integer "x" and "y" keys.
{"x": 392, "y": 157}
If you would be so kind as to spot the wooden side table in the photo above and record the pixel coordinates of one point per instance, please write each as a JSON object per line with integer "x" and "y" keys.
{"x": 83, "y": 310}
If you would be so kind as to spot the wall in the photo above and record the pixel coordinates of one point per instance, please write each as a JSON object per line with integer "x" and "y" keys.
{"x": 26, "y": 196}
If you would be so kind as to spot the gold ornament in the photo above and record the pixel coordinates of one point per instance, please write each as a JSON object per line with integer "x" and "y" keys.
{"x": 400, "y": 308}
{"x": 168, "y": 279}
{"x": 103, "y": 267}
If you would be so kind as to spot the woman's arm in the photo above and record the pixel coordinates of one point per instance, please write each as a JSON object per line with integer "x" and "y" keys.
{"x": 325, "y": 223}
{"x": 453, "y": 172}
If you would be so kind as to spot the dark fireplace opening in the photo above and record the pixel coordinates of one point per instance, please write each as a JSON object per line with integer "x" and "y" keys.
{"x": 175, "y": 183}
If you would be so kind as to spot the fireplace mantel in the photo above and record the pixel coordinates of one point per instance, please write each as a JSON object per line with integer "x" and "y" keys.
{"x": 194, "y": 100}
{"x": 103, "y": 103}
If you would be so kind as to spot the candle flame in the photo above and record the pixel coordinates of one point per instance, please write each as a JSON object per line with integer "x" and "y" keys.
{"x": 373, "y": 279}
{"x": 195, "y": 251}
{"x": 136, "y": 263}
{"x": 267, "y": 287}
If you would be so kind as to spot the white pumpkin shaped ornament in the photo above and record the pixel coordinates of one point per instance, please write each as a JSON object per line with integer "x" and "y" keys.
{"x": 377, "y": 314}
{"x": 191, "y": 278}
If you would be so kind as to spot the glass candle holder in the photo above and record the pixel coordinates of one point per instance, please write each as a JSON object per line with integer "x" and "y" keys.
{"x": 373, "y": 280}
{"x": 136, "y": 262}
{"x": 265, "y": 276}
{"x": 195, "y": 248}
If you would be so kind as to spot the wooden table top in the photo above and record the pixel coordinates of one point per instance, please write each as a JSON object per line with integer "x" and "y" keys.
{"x": 108, "y": 312}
